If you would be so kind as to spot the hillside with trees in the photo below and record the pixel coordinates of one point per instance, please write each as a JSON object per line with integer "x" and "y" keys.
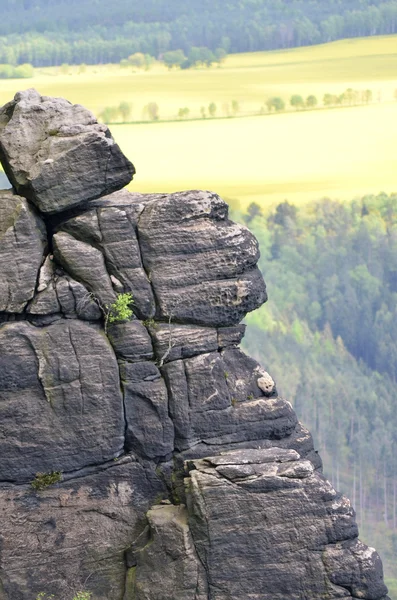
{"x": 53, "y": 32}
{"x": 328, "y": 335}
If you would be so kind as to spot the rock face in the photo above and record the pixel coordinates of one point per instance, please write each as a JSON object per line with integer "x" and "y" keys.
{"x": 176, "y": 470}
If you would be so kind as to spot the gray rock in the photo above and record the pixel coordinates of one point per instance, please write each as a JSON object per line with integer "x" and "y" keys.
{"x": 61, "y": 406}
{"x": 150, "y": 431}
{"x": 22, "y": 245}
{"x": 56, "y": 154}
{"x": 173, "y": 342}
{"x": 357, "y": 568}
{"x": 73, "y": 535}
{"x": 201, "y": 265}
{"x": 214, "y": 398}
{"x": 231, "y": 336}
{"x": 75, "y": 301}
{"x": 253, "y": 542}
{"x": 85, "y": 264}
{"x": 168, "y": 567}
{"x": 113, "y": 230}
{"x": 130, "y": 341}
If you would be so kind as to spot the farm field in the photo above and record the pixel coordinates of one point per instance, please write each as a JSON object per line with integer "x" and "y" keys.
{"x": 301, "y": 155}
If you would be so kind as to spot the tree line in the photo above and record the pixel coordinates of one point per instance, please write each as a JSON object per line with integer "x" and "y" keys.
{"x": 47, "y": 33}
{"x": 328, "y": 335}
{"x": 151, "y": 111}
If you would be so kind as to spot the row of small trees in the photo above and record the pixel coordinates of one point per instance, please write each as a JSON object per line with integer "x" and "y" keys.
{"x": 348, "y": 98}
{"x": 274, "y": 104}
{"x": 151, "y": 111}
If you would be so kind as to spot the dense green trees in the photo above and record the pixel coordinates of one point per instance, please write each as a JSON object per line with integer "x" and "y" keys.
{"x": 328, "y": 335}
{"x": 44, "y": 32}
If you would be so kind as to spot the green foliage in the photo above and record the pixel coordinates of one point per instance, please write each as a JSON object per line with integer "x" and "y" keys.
{"x": 254, "y": 210}
{"x": 183, "y": 112}
{"x": 329, "y": 332}
{"x": 150, "y": 323}
{"x": 174, "y": 58}
{"x": 125, "y": 110}
{"x": 44, "y": 480}
{"x": 212, "y": 109}
{"x": 110, "y": 114}
{"x": 24, "y": 71}
{"x": 121, "y": 309}
{"x": 137, "y": 60}
{"x": 51, "y": 33}
{"x": 235, "y": 107}
{"x": 297, "y": 101}
{"x": 276, "y": 103}
{"x": 152, "y": 111}
{"x": 311, "y": 101}
{"x": 349, "y": 97}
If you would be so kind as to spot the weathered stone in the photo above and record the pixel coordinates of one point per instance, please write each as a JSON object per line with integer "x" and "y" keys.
{"x": 168, "y": 566}
{"x": 253, "y": 542}
{"x": 357, "y": 568}
{"x": 266, "y": 384}
{"x": 150, "y": 431}
{"x": 214, "y": 398}
{"x": 86, "y": 264}
{"x": 202, "y": 266}
{"x": 113, "y": 230}
{"x": 56, "y": 154}
{"x": 61, "y": 407}
{"x": 22, "y": 245}
{"x": 75, "y": 301}
{"x": 130, "y": 341}
{"x": 230, "y": 336}
{"x": 173, "y": 342}
{"x": 73, "y": 536}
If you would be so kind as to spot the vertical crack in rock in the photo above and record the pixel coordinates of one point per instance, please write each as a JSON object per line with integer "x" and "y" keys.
{"x": 164, "y": 405}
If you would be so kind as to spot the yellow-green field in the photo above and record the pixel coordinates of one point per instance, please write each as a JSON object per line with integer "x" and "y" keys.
{"x": 300, "y": 156}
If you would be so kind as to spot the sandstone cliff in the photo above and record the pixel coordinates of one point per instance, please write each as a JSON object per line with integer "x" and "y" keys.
{"x": 177, "y": 471}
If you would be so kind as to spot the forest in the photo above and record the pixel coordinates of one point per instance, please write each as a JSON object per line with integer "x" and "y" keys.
{"x": 55, "y": 32}
{"x": 328, "y": 335}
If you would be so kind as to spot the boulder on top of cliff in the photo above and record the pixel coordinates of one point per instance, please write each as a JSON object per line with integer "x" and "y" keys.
{"x": 56, "y": 153}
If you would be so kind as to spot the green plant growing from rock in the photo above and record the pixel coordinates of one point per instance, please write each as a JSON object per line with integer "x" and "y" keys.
{"x": 120, "y": 310}
{"x": 44, "y": 480}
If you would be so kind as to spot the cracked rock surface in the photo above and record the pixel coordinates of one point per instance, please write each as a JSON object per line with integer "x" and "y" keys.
{"x": 182, "y": 475}
{"x": 57, "y": 154}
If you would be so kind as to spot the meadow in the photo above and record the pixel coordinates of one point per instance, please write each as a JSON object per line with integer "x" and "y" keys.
{"x": 336, "y": 152}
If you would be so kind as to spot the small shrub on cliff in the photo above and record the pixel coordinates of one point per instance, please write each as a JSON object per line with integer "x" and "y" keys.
{"x": 121, "y": 309}
{"x": 82, "y": 596}
{"x": 44, "y": 480}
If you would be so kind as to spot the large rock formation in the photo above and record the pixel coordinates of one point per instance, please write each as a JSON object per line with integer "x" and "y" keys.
{"x": 164, "y": 464}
